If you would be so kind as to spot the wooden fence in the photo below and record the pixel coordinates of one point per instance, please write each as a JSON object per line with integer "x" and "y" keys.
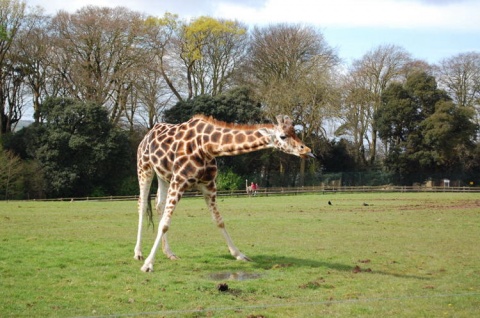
{"x": 293, "y": 191}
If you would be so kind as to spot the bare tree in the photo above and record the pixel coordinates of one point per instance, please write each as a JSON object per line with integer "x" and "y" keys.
{"x": 459, "y": 75}
{"x": 224, "y": 48}
{"x": 367, "y": 79}
{"x": 96, "y": 49}
{"x": 284, "y": 58}
{"x": 355, "y": 114}
{"x": 156, "y": 85}
{"x": 291, "y": 68}
{"x": 153, "y": 96}
{"x": 12, "y": 16}
{"x": 32, "y": 49}
{"x": 201, "y": 56}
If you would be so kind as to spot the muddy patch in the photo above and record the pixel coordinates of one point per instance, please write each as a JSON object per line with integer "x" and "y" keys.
{"x": 239, "y": 276}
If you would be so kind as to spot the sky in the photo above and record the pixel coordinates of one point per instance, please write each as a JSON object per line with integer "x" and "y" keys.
{"x": 430, "y": 30}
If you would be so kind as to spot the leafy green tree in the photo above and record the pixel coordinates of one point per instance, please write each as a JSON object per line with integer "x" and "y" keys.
{"x": 336, "y": 156}
{"x": 236, "y": 105}
{"x": 398, "y": 117}
{"x": 79, "y": 150}
{"x": 449, "y": 132}
{"x": 424, "y": 93}
{"x": 423, "y": 129}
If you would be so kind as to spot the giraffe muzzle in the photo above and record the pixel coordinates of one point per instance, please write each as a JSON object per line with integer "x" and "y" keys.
{"x": 307, "y": 153}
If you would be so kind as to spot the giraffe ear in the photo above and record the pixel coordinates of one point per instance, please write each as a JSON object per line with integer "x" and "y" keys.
{"x": 280, "y": 119}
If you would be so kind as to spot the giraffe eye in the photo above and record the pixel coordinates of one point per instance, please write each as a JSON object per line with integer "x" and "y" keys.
{"x": 283, "y": 137}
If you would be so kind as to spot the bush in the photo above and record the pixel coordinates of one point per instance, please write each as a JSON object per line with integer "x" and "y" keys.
{"x": 228, "y": 180}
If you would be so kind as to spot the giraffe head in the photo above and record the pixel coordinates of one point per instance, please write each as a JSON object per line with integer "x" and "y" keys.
{"x": 283, "y": 138}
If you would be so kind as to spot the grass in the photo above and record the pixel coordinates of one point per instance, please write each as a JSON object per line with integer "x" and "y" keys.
{"x": 403, "y": 255}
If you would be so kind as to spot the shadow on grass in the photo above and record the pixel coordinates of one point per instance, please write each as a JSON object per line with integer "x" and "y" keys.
{"x": 268, "y": 262}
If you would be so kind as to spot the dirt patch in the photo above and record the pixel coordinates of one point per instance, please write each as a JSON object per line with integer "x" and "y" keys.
{"x": 239, "y": 276}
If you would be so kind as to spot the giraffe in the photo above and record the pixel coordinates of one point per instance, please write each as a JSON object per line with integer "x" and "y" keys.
{"x": 182, "y": 156}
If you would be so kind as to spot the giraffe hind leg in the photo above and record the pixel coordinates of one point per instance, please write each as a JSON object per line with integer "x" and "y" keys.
{"x": 162, "y": 229}
{"x": 174, "y": 194}
{"x": 144, "y": 181}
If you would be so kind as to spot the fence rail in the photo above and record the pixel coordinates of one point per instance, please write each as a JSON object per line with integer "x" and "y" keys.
{"x": 292, "y": 191}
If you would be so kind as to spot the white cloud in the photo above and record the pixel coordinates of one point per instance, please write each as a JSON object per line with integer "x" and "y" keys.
{"x": 53, "y": 6}
{"x": 454, "y": 15}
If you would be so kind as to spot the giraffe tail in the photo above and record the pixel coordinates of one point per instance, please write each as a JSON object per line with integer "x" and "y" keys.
{"x": 150, "y": 211}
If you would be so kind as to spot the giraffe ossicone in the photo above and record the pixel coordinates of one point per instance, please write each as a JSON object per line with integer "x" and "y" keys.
{"x": 182, "y": 156}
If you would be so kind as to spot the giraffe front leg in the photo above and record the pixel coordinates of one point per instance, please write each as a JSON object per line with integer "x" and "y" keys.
{"x": 233, "y": 249}
{"x": 210, "y": 199}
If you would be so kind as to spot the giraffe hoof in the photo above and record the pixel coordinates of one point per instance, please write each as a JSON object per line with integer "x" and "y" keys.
{"x": 173, "y": 257}
{"x": 138, "y": 257}
{"x": 243, "y": 258}
{"x": 147, "y": 268}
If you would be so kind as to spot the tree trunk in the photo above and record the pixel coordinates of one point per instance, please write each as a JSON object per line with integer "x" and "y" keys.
{"x": 302, "y": 172}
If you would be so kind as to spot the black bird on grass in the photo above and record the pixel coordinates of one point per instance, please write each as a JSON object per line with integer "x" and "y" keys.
{"x": 330, "y": 203}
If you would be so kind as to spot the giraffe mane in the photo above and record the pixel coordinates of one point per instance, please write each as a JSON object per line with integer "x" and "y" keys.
{"x": 211, "y": 120}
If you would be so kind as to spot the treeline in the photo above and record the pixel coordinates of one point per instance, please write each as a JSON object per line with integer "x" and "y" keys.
{"x": 96, "y": 80}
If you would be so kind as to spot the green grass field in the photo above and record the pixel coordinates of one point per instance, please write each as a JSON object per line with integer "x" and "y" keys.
{"x": 403, "y": 255}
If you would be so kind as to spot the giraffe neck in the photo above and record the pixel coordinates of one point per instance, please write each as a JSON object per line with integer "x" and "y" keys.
{"x": 235, "y": 139}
